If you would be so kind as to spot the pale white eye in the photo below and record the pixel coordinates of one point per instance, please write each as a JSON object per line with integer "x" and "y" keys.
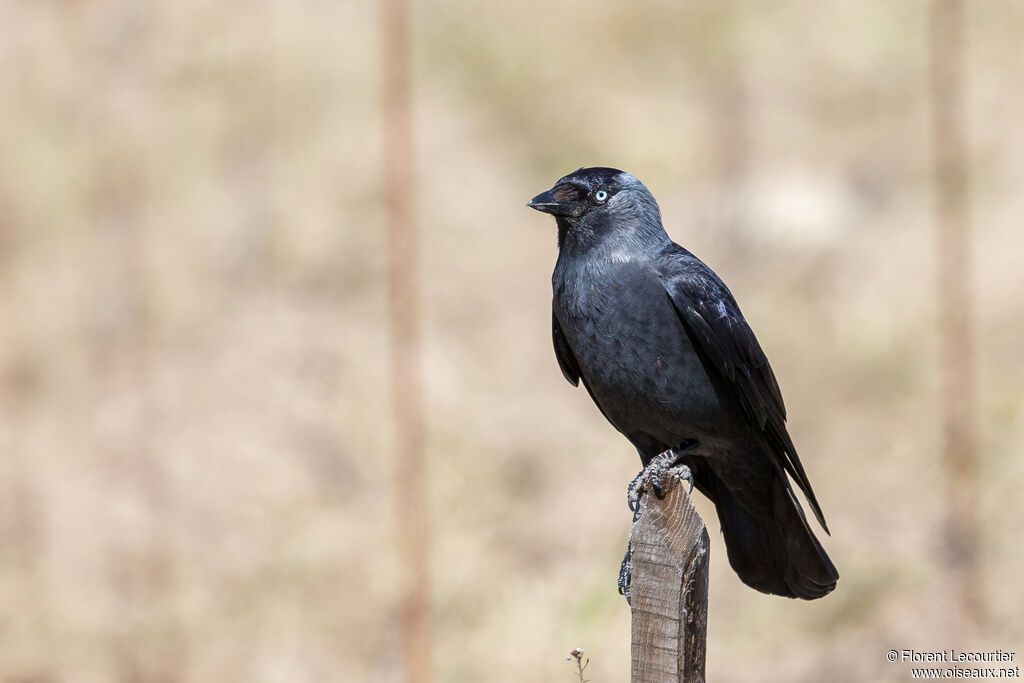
{"x": 600, "y": 195}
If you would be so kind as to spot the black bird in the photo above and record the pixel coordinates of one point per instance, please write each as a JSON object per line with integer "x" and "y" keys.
{"x": 662, "y": 347}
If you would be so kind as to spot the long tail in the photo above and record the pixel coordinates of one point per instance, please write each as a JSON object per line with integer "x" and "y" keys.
{"x": 769, "y": 543}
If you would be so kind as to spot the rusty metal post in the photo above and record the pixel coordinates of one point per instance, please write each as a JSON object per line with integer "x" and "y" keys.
{"x": 407, "y": 392}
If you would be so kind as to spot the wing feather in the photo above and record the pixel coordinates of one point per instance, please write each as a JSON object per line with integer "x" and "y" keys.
{"x": 711, "y": 315}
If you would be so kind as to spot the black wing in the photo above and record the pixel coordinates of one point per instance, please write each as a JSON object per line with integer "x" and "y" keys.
{"x": 710, "y": 314}
{"x": 566, "y": 361}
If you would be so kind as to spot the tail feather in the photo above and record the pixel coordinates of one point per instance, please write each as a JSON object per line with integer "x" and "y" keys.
{"x": 769, "y": 543}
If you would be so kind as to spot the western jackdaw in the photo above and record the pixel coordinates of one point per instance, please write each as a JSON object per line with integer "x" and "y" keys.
{"x": 661, "y": 346}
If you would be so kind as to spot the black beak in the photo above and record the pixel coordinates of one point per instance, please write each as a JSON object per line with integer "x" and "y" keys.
{"x": 547, "y": 203}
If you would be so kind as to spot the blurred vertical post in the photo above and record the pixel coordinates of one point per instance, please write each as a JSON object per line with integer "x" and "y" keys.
{"x": 411, "y": 512}
{"x": 954, "y": 294}
{"x": 20, "y": 526}
{"x": 16, "y": 385}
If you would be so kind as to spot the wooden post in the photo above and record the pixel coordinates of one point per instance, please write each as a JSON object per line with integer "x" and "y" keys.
{"x": 669, "y": 588}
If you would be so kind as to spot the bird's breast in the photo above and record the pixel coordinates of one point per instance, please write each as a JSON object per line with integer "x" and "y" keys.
{"x": 633, "y": 351}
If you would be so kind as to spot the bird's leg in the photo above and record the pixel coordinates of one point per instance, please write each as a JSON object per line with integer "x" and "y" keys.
{"x": 665, "y": 463}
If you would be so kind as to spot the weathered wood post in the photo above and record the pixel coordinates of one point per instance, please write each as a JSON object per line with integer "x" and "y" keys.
{"x": 669, "y": 588}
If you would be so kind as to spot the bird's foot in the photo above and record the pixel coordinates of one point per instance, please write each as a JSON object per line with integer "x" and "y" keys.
{"x": 664, "y": 467}
{"x": 626, "y": 573}
{"x": 633, "y": 493}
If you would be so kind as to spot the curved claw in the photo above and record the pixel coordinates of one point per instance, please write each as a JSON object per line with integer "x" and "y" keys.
{"x": 686, "y": 475}
{"x": 633, "y": 493}
{"x": 625, "y": 574}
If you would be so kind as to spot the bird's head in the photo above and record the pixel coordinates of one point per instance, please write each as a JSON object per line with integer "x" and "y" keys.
{"x": 598, "y": 201}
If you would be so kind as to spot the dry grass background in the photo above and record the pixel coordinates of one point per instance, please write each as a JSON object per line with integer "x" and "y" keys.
{"x": 196, "y": 466}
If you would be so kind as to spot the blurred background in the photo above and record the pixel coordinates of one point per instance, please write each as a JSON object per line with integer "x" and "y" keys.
{"x": 198, "y": 461}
